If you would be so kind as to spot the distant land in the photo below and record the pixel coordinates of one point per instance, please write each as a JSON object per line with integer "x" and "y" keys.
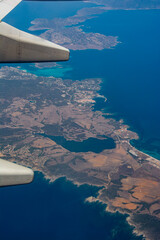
{"x": 42, "y": 119}
{"x": 123, "y": 4}
{"x": 129, "y": 5}
{"x": 69, "y": 31}
{"x": 33, "y": 109}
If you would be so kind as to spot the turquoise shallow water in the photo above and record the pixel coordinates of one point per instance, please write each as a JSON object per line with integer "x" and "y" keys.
{"x": 57, "y": 72}
{"x": 130, "y": 74}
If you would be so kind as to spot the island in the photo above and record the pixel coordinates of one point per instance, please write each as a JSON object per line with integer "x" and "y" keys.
{"x": 44, "y": 119}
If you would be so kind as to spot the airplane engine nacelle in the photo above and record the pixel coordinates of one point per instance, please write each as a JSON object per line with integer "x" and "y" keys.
{"x": 19, "y": 46}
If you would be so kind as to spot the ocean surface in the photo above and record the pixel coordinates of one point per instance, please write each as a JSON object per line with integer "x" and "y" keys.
{"x": 130, "y": 72}
{"x": 57, "y": 211}
{"x": 131, "y": 83}
{"x": 91, "y": 144}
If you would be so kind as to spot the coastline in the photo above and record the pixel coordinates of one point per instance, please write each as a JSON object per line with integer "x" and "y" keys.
{"x": 114, "y": 170}
{"x": 12, "y": 155}
{"x": 109, "y": 208}
{"x": 153, "y": 161}
{"x": 93, "y": 199}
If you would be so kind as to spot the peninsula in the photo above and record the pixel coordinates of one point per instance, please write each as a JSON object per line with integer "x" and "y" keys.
{"x": 35, "y": 110}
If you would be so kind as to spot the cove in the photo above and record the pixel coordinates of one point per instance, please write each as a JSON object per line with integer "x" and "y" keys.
{"x": 91, "y": 144}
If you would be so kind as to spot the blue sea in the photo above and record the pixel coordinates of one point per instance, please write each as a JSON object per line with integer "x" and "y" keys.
{"x": 131, "y": 83}
{"x": 84, "y": 146}
{"x": 130, "y": 72}
{"x": 56, "y": 211}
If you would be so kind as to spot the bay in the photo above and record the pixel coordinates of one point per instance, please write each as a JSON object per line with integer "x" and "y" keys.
{"x": 91, "y": 144}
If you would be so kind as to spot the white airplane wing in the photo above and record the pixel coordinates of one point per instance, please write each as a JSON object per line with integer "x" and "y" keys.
{"x": 6, "y": 6}
{"x": 18, "y": 46}
{"x": 11, "y": 173}
{"x": 14, "y": 174}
